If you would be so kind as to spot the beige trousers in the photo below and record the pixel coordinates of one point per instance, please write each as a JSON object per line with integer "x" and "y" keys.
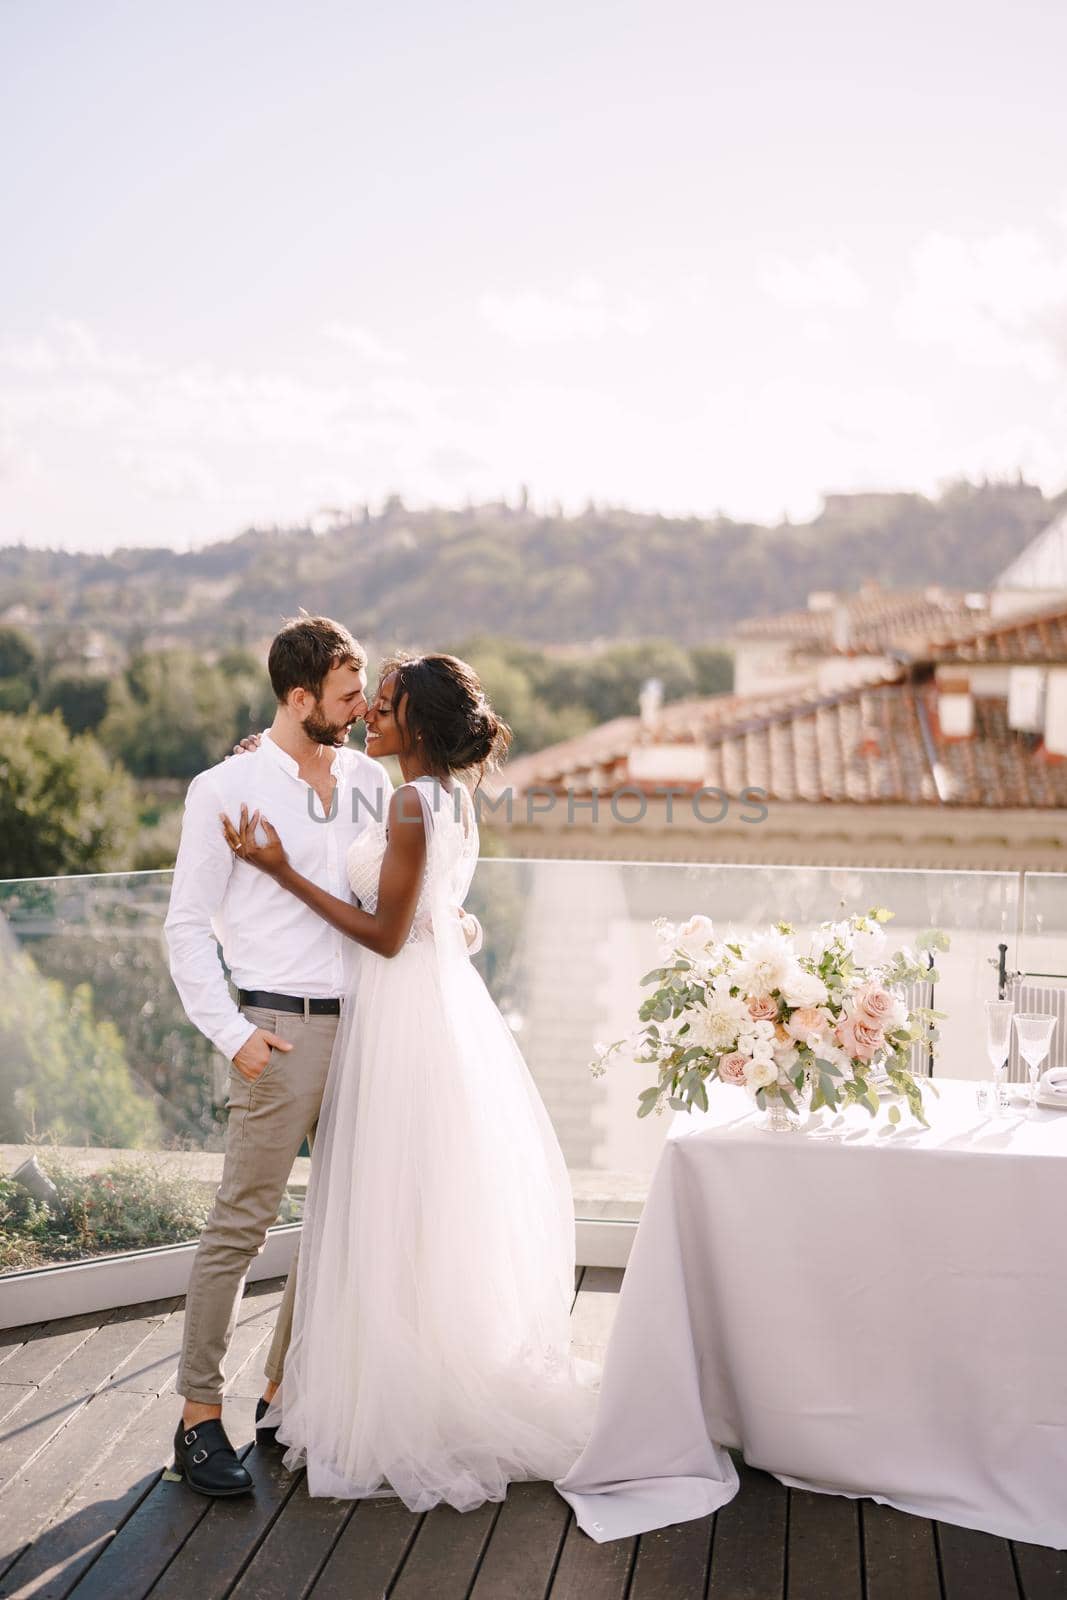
{"x": 268, "y": 1122}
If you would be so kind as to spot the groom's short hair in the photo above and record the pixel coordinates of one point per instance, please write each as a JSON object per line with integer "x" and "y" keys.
{"x": 304, "y": 652}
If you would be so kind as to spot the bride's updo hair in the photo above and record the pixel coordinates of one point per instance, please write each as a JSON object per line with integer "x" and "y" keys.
{"x": 447, "y": 713}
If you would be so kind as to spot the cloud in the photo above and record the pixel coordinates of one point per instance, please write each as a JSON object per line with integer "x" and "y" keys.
{"x": 363, "y": 342}
{"x": 583, "y": 311}
{"x": 1000, "y": 301}
{"x": 822, "y": 282}
{"x": 169, "y": 474}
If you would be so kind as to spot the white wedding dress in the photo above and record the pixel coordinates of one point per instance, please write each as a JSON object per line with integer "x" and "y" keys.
{"x": 430, "y": 1355}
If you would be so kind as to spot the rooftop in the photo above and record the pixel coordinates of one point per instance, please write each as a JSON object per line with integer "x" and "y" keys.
{"x": 90, "y": 1413}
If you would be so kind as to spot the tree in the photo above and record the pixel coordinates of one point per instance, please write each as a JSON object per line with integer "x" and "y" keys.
{"x": 18, "y": 655}
{"x": 64, "y": 807}
{"x": 63, "y": 1072}
{"x": 81, "y": 702}
{"x": 170, "y": 715}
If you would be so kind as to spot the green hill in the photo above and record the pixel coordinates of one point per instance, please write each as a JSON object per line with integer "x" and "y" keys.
{"x": 423, "y": 577}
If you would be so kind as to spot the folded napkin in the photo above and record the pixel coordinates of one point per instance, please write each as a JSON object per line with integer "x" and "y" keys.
{"x": 1053, "y": 1082}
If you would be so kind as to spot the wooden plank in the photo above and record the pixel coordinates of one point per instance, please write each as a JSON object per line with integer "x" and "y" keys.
{"x": 148, "y": 1539}
{"x": 12, "y": 1339}
{"x": 446, "y": 1553}
{"x": 673, "y": 1561}
{"x": 975, "y": 1566}
{"x": 748, "y": 1551}
{"x": 36, "y": 1425}
{"x": 162, "y": 1521}
{"x": 152, "y": 1367}
{"x": 370, "y": 1552}
{"x": 899, "y": 1554}
{"x": 295, "y": 1550}
{"x": 39, "y": 1491}
{"x": 594, "y": 1310}
{"x": 31, "y": 1427}
{"x": 42, "y": 1356}
{"x": 591, "y": 1571}
{"x": 823, "y": 1547}
{"x": 12, "y": 1395}
{"x": 525, "y": 1544}
{"x": 104, "y": 1500}
{"x": 212, "y": 1558}
{"x": 1042, "y": 1572}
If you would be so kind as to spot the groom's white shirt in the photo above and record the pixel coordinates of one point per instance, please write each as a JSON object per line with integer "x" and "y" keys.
{"x": 269, "y": 938}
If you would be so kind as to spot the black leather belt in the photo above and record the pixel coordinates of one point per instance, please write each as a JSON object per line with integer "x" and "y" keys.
{"x": 307, "y": 1007}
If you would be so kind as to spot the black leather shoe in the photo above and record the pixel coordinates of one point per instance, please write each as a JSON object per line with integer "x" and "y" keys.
{"x": 207, "y": 1461}
{"x": 264, "y": 1436}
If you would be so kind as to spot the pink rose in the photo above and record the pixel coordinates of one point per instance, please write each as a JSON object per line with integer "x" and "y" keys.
{"x": 807, "y": 1021}
{"x": 875, "y": 1005}
{"x": 859, "y": 1037}
{"x": 762, "y": 1008}
{"x": 732, "y": 1067}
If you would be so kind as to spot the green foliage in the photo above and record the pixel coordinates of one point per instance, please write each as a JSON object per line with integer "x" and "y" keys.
{"x": 63, "y": 806}
{"x": 171, "y": 715}
{"x": 129, "y": 1206}
{"x": 419, "y": 577}
{"x": 18, "y": 655}
{"x": 63, "y": 1071}
{"x": 81, "y": 701}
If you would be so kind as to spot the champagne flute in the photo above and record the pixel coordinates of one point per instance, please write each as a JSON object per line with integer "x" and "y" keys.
{"x": 1034, "y": 1032}
{"x": 998, "y": 1015}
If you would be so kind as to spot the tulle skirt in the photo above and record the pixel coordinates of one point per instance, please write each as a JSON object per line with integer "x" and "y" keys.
{"x": 430, "y": 1355}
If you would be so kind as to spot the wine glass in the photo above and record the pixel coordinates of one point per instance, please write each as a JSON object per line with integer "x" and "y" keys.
{"x": 998, "y": 1015}
{"x": 1033, "y": 1030}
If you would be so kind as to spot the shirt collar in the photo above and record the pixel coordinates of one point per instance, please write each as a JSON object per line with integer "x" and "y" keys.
{"x": 282, "y": 758}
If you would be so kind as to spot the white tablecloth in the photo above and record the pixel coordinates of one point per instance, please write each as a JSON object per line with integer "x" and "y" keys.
{"x": 864, "y": 1311}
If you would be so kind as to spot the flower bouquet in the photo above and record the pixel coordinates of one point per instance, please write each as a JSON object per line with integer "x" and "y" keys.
{"x": 821, "y": 1019}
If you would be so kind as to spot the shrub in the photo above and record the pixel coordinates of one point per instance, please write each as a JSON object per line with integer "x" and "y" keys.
{"x": 129, "y": 1206}
{"x": 63, "y": 1071}
{"x": 64, "y": 807}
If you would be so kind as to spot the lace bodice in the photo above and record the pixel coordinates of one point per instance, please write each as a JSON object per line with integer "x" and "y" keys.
{"x": 364, "y": 864}
{"x": 451, "y": 843}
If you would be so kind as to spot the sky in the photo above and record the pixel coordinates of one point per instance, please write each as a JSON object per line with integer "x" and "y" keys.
{"x": 262, "y": 260}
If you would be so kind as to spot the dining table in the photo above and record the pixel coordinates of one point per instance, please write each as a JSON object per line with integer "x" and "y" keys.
{"x": 860, "y": 1307}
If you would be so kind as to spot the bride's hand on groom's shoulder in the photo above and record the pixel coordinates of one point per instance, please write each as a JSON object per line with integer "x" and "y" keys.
{"x": 269, "y": 857}
{"x": 250, "y": 743}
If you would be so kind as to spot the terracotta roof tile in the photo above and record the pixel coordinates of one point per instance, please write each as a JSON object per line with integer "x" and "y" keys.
{"x": 876, "y": 618}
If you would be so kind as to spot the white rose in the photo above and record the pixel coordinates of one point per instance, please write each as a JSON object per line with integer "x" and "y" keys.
{"x": 868, "y": 946}
{"x": 787, "y": 1057}
{"x": 805, "y": 989}
{"x": 759, "y": 1073}
{"x": 694, "y": 937}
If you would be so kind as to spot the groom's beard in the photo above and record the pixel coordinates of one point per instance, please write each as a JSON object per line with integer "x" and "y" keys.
{"x": 322, "y": 732}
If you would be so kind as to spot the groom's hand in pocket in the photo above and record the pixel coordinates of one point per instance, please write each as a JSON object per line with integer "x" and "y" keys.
{"x": 254, "y": 1054}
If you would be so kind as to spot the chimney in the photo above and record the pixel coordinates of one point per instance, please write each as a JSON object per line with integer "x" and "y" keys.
{"x": 841, "y": 632}
{"x": 1026, "y": 696}
{"x": 650, "y": 701}
{"x": 1056, "y": 713}
{"x": 955, "y": 706}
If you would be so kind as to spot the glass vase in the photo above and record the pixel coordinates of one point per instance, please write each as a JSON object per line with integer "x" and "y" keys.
{"x": 777, "y": 1117}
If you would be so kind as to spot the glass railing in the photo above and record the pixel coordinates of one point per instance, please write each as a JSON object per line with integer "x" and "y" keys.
{"x": 112, "y": 1112}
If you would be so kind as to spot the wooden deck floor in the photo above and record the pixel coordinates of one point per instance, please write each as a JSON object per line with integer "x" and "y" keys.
{"x": 87, "y": 1412}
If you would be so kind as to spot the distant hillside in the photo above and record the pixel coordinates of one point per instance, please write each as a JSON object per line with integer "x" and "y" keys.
{"x": 435, "y": 576}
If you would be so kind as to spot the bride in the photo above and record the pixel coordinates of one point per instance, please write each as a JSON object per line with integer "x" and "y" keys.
{"x": 431, "y": 1329}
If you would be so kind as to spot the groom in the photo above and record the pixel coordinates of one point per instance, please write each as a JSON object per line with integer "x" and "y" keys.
{"x": 290, "y": 969}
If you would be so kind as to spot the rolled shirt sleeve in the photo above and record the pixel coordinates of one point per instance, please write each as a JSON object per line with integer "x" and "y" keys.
{"x": 201, "y": 874}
